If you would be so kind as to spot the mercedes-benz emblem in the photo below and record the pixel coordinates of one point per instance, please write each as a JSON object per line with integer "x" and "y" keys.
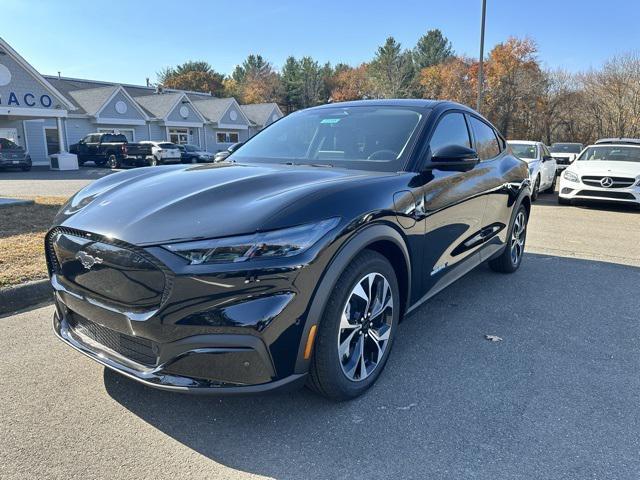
{"x": 87, "y": 260}
{"x": 606, "y": 182}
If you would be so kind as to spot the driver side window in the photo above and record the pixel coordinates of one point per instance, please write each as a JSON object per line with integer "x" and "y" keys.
{"x": 451, "y": 130}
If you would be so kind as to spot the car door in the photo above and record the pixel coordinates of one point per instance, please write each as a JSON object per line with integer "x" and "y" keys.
{"x": 501, "y": 183}
{"x": 453, "y": 204}
{"x": 548, "y": 165}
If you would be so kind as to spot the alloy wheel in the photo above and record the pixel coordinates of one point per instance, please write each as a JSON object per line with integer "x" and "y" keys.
{"x": 518, "y": 235}
{"x": 365, "y": 326}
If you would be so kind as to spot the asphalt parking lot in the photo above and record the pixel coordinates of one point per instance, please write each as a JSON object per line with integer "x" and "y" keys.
{"x": 557, "y": 398}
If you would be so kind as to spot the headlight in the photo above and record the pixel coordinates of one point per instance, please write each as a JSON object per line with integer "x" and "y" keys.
{"x": 572, "y": 177}
{"x": 278, "y": 243}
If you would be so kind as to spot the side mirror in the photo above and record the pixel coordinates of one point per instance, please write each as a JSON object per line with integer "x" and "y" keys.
{"x": 454, "y": 157}
{"x": 546, "y": 158}
{"x": 235, "y": 147}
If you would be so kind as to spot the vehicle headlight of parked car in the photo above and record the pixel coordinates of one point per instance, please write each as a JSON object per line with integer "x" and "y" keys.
{"x": 278, "y": 243}
{"x": 570, "y": 176}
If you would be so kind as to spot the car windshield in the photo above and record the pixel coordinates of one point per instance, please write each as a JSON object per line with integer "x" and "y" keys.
{"x": 526, "y": 151}
{"x": 190, "y": 148}
{"x": 611, "y": 153}
{"x": 7, "y": 144}
{"x": 368, "y": 138}
{"x": 565, "y": 148}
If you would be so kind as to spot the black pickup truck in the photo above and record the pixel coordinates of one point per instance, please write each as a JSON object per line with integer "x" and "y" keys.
{"x": 112, "y": 150}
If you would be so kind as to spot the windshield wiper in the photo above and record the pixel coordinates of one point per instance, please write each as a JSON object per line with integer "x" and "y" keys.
{"x": 327, "y": 165}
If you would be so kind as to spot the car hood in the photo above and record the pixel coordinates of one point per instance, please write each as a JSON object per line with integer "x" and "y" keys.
{"x": 154, "y": 205}
{"x": 619, "y": 169}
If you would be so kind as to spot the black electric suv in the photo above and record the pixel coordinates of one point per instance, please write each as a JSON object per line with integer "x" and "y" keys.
{"x": 293, "y": 261}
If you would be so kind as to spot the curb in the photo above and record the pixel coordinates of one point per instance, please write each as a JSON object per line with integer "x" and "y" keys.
{"x": 24, "y": 296}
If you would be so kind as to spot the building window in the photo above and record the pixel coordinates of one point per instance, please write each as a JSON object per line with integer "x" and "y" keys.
{"x": 179, "y": 136}
{"x": 227, "y": 137}
{"x": 53, "y": 141}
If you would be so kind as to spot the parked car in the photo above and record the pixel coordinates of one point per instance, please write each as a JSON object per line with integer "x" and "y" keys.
{"x": 194, "y": 154}
{"x": 565, "y": 153}
{"x": 163, "y": 152}
{"x": 13, "y": 155}
{"x": 608, "y": 171}
{"x": 542, "y": 166}
{"x": 220, "y": 156}
{"x": 295, "y": 262}
{"x": 110, "y": 149}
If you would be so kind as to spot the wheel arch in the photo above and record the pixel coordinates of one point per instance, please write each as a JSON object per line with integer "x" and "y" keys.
{"x": 381, "y": 238}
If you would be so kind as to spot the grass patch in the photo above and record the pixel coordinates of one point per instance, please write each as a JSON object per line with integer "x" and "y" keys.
{"x": 22, "y": 230}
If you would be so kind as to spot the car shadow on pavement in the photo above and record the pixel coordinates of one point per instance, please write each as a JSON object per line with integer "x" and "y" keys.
{"x": 556, "y": 396}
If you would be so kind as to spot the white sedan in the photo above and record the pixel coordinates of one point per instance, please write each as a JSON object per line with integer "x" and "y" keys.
{"x": 163, "y": 152}
{"x": 608, "y": 171}
{"x": 542, "y": 166}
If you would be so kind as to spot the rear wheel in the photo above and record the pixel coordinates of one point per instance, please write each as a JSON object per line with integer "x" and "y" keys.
{"x": 511, "y": 257}
{"x": 357, "y": 329}
{"x": 113, "y": 161}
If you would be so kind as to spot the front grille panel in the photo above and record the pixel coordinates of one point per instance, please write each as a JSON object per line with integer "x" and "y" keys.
{"x": 123, "y": 274}
{"x": 606, "y": 194}
{"x": 618, "y": 182}
{"x": 139, "y": 350}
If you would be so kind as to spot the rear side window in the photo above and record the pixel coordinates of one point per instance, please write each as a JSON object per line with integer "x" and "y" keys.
{"x": 451, "y": 130}
{"x": 111, "y": 138}
{"x": 486, "y": 141}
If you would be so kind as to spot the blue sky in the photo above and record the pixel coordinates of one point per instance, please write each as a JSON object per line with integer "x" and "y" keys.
{"x": 127, "y": 41}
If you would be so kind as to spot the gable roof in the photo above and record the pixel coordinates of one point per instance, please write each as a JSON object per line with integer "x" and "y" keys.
{"x": 214, "y": 109}
{"x": 91, "y": 100}
{"x": 39, "y": 78}
{"x": 260, "y": 113}
{"x": 159, "y": 105}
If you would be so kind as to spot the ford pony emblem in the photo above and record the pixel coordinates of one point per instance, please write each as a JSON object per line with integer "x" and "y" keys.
{"x": 87, "y": 260}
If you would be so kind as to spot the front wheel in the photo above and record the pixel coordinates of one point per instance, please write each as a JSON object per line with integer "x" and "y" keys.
{"x": 357, "y": 329}
{"x": 536, "y": 189}
{"x": 552, "y": 187}
{"x": 511, "y": 257}
{"x": 153, "y": 161}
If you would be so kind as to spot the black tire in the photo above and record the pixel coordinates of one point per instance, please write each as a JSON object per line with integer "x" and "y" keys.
{"x": 327, "y": 376}
{"x": 505, "y": 262}
{"x": 563, "y": 201}
{"x": 552, "y": 187}
{"x": 536, "y": 189}
{"x": 153, "y": 161}
{"x": 113, "y": 161}
{"x": 25, "y": 168}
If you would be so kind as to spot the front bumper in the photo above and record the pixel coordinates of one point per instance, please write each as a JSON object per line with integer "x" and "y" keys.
{"x": 205, "y": 363}
{"x": 211, "y": 330}
{"x": 162, "y": 376}
{"x": 15, "y": 162}
{"x": 579, "y": 191}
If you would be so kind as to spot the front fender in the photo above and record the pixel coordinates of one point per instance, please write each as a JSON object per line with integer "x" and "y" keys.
{"x": 352, "y": 247}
